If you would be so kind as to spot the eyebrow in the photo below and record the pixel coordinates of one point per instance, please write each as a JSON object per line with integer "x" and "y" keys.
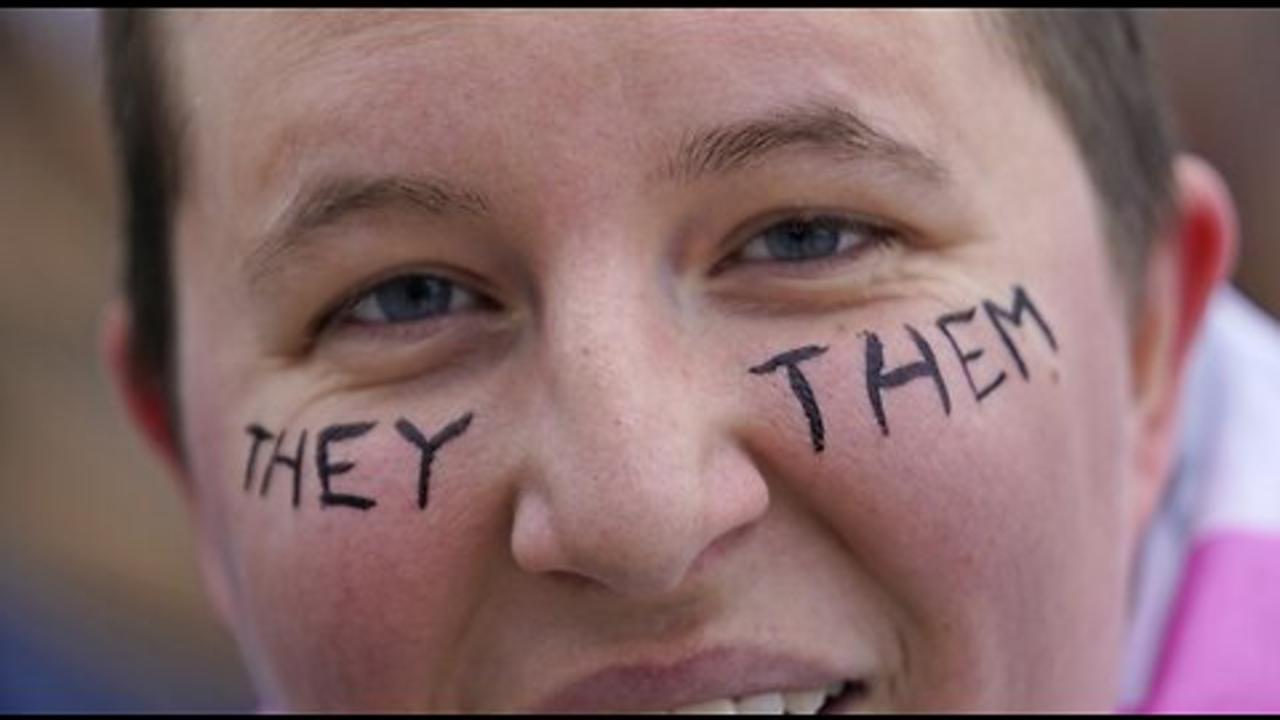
{"x": 329, "y": 200}
{"x": 820, "y": 126}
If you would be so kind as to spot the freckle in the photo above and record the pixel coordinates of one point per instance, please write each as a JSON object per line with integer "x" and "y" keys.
{"x": 1053, "y": 375}
{"x": 586, "y": 351}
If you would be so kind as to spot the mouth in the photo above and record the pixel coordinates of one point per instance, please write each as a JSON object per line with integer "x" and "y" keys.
{"x": 835, "y": 698}
{"x": 726, "y": 680}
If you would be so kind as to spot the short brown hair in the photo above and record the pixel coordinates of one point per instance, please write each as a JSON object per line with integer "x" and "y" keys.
{"x": 1096, "y": 68}
{"x": 147, "y": 146}
{"x": 1092, "y": 64}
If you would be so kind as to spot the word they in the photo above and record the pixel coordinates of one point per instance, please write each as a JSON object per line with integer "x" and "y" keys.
{"x": 329, "y": 469}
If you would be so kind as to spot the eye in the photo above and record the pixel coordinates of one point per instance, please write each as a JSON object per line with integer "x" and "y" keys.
{"x": 409, "y": 298}
{"x": 804, "y": 239}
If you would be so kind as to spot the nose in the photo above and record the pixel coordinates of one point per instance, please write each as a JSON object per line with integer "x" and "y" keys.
{"x": 635, "y": 475}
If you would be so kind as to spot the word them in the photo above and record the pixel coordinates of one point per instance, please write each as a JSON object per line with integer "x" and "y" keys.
{"x": 879, "y": 380}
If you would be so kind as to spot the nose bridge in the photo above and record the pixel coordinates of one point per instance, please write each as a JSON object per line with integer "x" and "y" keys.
{"x": 612, "y": 350}
{"x": 628, "y": 457}
{"x": 611, "y": 337}
{"x": 622, "y": 494}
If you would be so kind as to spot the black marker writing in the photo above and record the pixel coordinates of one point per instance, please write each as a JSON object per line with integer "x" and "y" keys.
{"x": 791, "y": 360}
{"x": 966, "y": 358}
{"x": 294, "y": 463}
{"x": 1021, "y": 303}
{"x": 260, "y": 435}
{"x": 327, "y": 470}
{"x": 428, "y": 447}
{"x": 878, "y": 380}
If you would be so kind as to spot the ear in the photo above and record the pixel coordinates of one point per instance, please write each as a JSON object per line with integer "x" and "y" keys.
{"x": 140, "y": 389}
{"x": 1194, "y": 256}
{"x": 144, "y": 396}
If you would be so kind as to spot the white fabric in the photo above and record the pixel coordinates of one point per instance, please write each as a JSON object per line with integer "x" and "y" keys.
{"x": 1227, "y": 473}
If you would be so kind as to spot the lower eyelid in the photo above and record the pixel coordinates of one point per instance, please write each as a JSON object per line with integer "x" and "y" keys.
{"x": 875, "y": 236}
{"x": 856, "y": 262}
{"x": 343, "y": 314}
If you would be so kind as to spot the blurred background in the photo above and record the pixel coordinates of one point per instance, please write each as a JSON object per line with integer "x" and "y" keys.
{"x": 101, "y": 606}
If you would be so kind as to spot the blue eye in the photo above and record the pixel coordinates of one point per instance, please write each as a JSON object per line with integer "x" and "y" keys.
{"x": 797, "y": 240}
{"x": 411, "y": 298}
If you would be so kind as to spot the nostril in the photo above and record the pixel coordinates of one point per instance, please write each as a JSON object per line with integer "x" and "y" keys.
{"x": 575, "y": 581}
{"x": 721, "y": 546}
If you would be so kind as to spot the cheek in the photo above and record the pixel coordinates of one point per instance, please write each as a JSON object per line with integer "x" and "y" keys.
{"x": 993, "y": 528}
{"x": 336, "y": 606}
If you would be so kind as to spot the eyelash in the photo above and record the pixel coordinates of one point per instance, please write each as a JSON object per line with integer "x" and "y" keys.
{"x": 874, "y": 235}
{"x": 341, "y": 317}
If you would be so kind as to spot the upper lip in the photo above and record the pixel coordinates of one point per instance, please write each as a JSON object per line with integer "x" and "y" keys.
{"x": 724, "y": 672}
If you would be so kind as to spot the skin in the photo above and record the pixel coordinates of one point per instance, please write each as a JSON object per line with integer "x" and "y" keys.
{"x": 628, "y": 493}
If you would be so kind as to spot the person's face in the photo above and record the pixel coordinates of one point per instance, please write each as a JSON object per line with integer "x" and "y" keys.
{"x": 520, "y": 277}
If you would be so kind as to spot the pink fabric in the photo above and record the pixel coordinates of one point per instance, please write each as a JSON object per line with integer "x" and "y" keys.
{"x": 1222, "y": 649}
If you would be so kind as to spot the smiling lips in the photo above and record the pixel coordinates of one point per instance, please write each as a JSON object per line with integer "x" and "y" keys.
{"x": 719, "y": 681}
{"x": 790, "y": 702}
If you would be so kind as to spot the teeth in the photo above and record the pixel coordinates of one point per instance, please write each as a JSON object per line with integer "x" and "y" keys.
{"x": 770, "y": 703}
{"x": 723, "y": 706}
{"x": 803, "y": 702}
{"x": 791, "y": 702}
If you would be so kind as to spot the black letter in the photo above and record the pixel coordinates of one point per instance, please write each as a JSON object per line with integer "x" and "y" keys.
{"x": 294, "y": 463}
{"x": 326, "y": 470}
{"x": 1020, "y": 303}
{"x": 878, "y": 380}
{"x": 429, "y": 448}
{"x": 791, "y": 360}
{"x": 260, "y": 435}
{"x": 967, "y": 357}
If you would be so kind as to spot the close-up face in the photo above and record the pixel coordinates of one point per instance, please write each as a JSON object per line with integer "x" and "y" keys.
{"x": 627, "y": 361}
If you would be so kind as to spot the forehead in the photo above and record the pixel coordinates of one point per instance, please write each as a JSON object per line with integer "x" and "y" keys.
{"x": 278, "y": 85}
{"x": 289, "y": 41}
